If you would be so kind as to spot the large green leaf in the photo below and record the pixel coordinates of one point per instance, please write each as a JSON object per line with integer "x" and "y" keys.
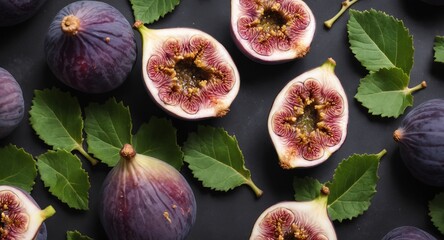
{"x": 149, "y": 11}
{"x": 17, "y": 168}
{"x": 436, "y": 211}
{"x": 216, "y": 159}
{"x": 108, "y": 127}
{"x": 62, "y": 172}
{"x": 438, "y": 47}
{"x": 306, "y": 189}
{"x": 386, "y": 92}
{"x": 158, "y": 139}
{"x": 353, "y": 186}
{"x": 380, "y": 41}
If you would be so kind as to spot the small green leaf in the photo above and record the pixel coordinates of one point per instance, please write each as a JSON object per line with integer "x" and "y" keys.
{"x": 62, "y": 172}
{"x": 216, "y": 159}
{"x": 439, "y": 49}
{"x": 380, "y": 41}
{"x": 149, "y": 11}
{"x": 158, "y": 139}
{"x": 108, "y": 128}
{"x": 76, "y": 235}
{"x": 353, "y": 186}
{"x": 386, "y": 92}
{"x": 306, "y": 189}
{"x": 436, "y": 211}
{"x": 17, "y": 168}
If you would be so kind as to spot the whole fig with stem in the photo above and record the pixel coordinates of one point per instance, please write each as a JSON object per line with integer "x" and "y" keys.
{"x": 12, "y": 105}
{"x": 144, "y": 198}
{"x": 187, "y": 72}
{"x": 90, "y": 46}
{"x": 13, "y": 12}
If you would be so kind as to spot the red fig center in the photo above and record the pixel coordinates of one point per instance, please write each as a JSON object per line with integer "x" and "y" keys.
{"x": 308, "y": 120}
{"x": 272, "y": 21}
{"x": 190, "y": 76}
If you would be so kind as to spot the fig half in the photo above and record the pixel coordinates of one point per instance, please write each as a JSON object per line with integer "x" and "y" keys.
{"x": 309, "y": 117}
{"x": 21, "y": 217}
{"x": 272, "y": 31}
{"x": 187, "y": 72}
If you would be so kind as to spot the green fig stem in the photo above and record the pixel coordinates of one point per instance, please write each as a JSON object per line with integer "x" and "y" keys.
{"x": 82, "y": 151}
{"x": 47, "y": 212}
{"x": 420, "y": 86}
{"x": 344, "y": 6}
{"x": 329, "y": 65}
{"x": 255, "y": 189}
{"x": 381, "y": 153}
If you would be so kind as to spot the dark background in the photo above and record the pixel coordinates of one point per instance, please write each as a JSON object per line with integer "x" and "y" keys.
{"x": 400, "y": 199}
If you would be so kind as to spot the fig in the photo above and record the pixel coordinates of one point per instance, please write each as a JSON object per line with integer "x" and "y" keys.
{"x": 309, "y": 117}
{"x": 13, "y": 12}
{"x": 420, "y": 137}
{"x": 12, "y": 105}
{"x": 295, "y": 220}
{"x": 90, "y": 46}
{"x": 187, "y": 72}
{"x": 146, "y": 198}
{"x": 408, "y": 233}
{"x": 272, "y": 31}
{"x": 21, "y": 217}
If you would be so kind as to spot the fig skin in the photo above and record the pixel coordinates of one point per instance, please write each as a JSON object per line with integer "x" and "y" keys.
{"x": 408, "y": 233}
{"x": 13, "y": 12}
{"x": 12, "y": 105}
{"x": 144, "y": 198}
{"x": 419, "y": 138}
{"x": 90, "y": 46}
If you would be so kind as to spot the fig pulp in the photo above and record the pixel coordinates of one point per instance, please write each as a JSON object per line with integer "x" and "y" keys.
{"x": 13, "y": 12}
{"x": 309, "y": 117}
{"x": 12, "y": 105}
{"x": 420, "y": 137}
{"x": 272, "y": 31}
{"x": 90, "y": 46}
{"x": 21, "y": 217}
{"x": 408, "y": 232}
{"x": 187, "y": 72}
{"x": 295, "y": 220}
{"x": 144, "y": 198}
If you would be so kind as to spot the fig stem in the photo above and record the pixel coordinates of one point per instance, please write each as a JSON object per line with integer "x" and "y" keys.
{"x": 344, "y": 6}
{"x": 255, "y": 189}
{"x": 47, "y": 212}
{"x": 70, "y": 25}
{"x": 330, "y": 64}
{"x": 420, "y": 86}
{"x": 381, "y": 153}
{"x": 82, "y": 151}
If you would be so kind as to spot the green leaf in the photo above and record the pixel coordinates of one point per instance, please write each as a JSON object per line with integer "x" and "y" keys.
{"x": 353, "y": 186}
{"x": 216, "y": 159}
{"x": 158, "y": 139}
{"x": 76, "y": 235}
{"x": 17, "y": 168}
{"x": 149, "y": 11}
{"x": 439, "y": 49}
{"x": 108, "y": 127}
{"x": 436, "y": 211}
{"x": 386, "y": 92}
{"x": 306, "y": 189}
{"x": 62, "y": 172}
{"x": 380, "y": 41}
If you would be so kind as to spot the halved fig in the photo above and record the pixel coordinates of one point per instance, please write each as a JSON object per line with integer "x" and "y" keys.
{"x": 272, "y": 31}
{"x": 21, "y": 217}
{"x": 309, "y": 117}
{"x": 187, "y": 72}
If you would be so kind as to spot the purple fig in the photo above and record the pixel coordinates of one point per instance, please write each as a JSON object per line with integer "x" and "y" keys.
{"x": 12, "y": 105}
{"x": 408, "y": 233}
{"x": 13, "y": 12}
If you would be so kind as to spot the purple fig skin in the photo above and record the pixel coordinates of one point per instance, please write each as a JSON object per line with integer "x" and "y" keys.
{"x": 146, "y": 199}
{"x": 94, "y": 50}
{"x": 13, "y": 12}
{"x": 420, "y": 137}
{"x": 12, "y": 105}
{"x": 408, "y": 233}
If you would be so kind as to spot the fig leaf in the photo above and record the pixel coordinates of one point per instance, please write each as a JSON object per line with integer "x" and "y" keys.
{"x": 353, "y": 186}
{"x": 438, "y": 47}
{"x": 17, "y": 168}
{"x": 215, "y": 158}
{"x": 62, "y": 172}
{"x": 386, "y": 92}
{"x": 306, "y": 189}
{"x": 108, "y": 127}
{"x": 379, "y": 40}
{"x": 149, "y": 11}
{"x": 436, "y": 211}
{"x": 158, "y": 139}
{"x": 76, "y": 235}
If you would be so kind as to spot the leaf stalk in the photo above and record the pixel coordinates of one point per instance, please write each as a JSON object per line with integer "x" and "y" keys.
{"x": 92, "y": 160}
{"x": 255, "y": 189}
{"x": 381, "y": 153}
{"x": 344, "y": 6}
{"x": 420, "y": 86}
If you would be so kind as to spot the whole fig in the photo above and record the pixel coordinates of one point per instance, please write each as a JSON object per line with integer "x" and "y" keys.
{"x": 90, "y": 46}
{"x": 144, "y": 198}
{"x": 12, "y": 105}
{"x": 420, "y": 139}
{"x": 13, "y": 12}
{"x": 408, "y": 233}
